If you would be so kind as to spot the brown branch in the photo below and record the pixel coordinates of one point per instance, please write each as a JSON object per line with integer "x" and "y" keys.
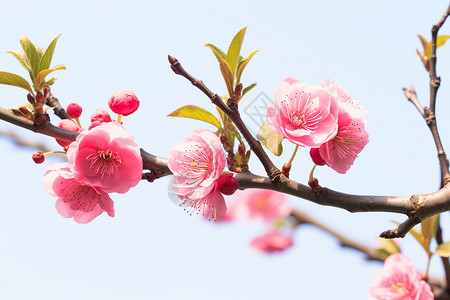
{"x": 231, "y": 110}
{"x": 19, "y": 141}
{"x": 52, "y": 101}
{"x": 371, "y": 254}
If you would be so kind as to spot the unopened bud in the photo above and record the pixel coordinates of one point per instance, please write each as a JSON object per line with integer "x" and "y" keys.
{"x": 316, "y": 157}
{"x": 123, "y": 103}
{"x": 74, "y": 110}
{"x": 31, "y": 99}
{"x": 46, "y": 91}
{"x": 24, "y": 110}
{"x": 238, "y": 89}
{"x": 227, "y": 184}
{"x": 38, "y": 157}
{"x": 40, "y": 97}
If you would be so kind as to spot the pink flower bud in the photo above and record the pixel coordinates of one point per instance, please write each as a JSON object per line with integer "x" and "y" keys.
{"x": 315, "y": 155}
{"x": 68, "y": 125}
{"x": 38, "y": 157}
{"x": 123, "y": 103}
{"x": 227, "y": 184}
{"x": 74, "y": 110}
{"x": 101, "y": 116}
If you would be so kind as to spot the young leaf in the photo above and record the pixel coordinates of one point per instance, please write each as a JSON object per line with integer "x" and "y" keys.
{"x": 197, "y": 113}
{"x": 224, "y": 67}
{"x": 383, "y": 253}
{"x": 270, "y": 139}
{"x": 15, "y": 80}
{"x": 235, "y": 49}
{"x": 217, "y": 51}
{"x": 424, "y": 42}
{"x": 20, "y": 56}
{"x": 48, "y": 55}
{"x": 429, "y": 226}
{"x": 50, "y": 81}
{"x": 241, "y": 66}
{"x": 441, "y": 40}
{"x": 247, "y": 89}
{"x": 31, "y": 55}
{"x": 40, "y": 78}
{"x": 443, "y": 250}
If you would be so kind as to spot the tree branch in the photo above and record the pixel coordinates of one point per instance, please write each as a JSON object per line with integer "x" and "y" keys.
{"x": 52, "y": 101}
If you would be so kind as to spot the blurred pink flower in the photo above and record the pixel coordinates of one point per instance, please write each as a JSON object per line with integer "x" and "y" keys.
{"x": 260, "y": 205}
{"x": 81, "y": 202}
{"x": 196, "y": 164}
{"x": 340, "y": 152}
{"x": 398, "y": 280}
{"x": 305, "y": 114}
{"x": 107, "y": 158}
{"x": 123, "y": 103}
{"x": 273, "y": 241}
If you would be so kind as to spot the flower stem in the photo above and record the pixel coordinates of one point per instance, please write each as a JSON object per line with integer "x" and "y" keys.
{"x": 288, "y": 164}
{"x": 54, "y": 152}
{"x": 78, "y": 122}
{"x": 311, "y": 174}
{"x": 119, "y": 118}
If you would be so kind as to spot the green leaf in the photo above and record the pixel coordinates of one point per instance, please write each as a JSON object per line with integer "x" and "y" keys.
{"x": 217, "y": 51}
{"x": 40, "y": 78}
{"x": 20, "y": 56}
{"x": 429, "y": 227}
{"x": 247, "y": 89}
{"x": 15, "y": 80}
{"x": 441, "y": 40}
{"x": 224, "y": 67}
{"x": 235, "y": 49}
{"x": 443, "y": 250}
{"x": 389, "y": 245}
{"x": 241, "y": 66}
{"x": 31, "y": 55}
{"x": 50, "y": 81}
{"x": 197, "y": 113}
{"x": 48, "y": 55}
{"x": 270, "y": 139}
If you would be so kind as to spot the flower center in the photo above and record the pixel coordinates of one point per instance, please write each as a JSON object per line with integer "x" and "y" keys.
{"x": 344, "y": 145}
{"x": 104, "y": 162}
{"x": 298, "y": 119}
{"x": 399, "y": 288}
{"x": 194, "y": 164}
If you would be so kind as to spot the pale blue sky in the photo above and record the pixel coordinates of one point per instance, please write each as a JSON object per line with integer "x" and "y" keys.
{"x": 153, "y": 249}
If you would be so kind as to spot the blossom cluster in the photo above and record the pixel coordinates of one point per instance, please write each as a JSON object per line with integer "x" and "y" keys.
{"x": 323, "y": 118}
{"x": 103, "y": 159}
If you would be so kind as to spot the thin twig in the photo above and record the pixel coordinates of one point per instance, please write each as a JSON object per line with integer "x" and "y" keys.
{"x": 412, "y": 96}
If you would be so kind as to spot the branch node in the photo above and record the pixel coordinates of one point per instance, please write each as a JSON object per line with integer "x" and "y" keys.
{"x": 42, "y": 121}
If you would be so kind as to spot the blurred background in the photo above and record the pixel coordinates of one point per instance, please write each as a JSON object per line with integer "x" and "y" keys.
{"x": 152, "y": 249}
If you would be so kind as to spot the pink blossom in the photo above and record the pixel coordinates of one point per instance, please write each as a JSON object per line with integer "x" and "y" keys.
{"x": 340, "y": 152}
{"x": 81, "y": 202}
{"x": 196, "y": 164}
{"x": 106, "y": 157}
{"x": 74, "y": 110}
{"x": 124, "y": 103}
{"x": 305, "y": 114}
{"x": 273, "y": 241}
{"x": 68, "y": 125}
{"x": 398, "y": 280}
{"x": 261, "y": 205}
